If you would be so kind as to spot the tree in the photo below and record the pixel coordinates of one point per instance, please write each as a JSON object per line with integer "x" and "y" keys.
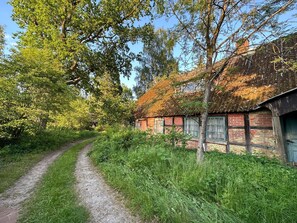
{"x": 209, "y": 28}
{"x": 156, "y": 60}
{"x": 285, "y": 64}
{"x": 32, "y": 87}
{"x": 2, "y": 40}
{"x": 76, "y": 116}
{"x": 87, "y": 36}
{"x": 113, "y": 104}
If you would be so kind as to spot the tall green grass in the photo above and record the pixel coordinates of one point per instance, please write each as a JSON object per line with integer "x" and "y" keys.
{"x": 55, "y": 199}
{"x": 166, "y": 183}
{"x": 19, "y": 156}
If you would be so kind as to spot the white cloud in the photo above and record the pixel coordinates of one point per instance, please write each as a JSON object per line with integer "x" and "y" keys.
{"x": 10, "y": 41}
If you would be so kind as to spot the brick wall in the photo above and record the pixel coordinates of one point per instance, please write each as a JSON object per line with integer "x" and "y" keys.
{"x": 216, "y": 147}
{"x": 168, "y": 120}
{"x": 236, "y": 135}
{"x": 236, "y": 120}
{"x": 261, "y": 119}
{"x": 169, "y": 128}
{"x": 262, "y": 137}
{"x": 236, "y": 131}
{"x": 178, "y": 121}
{"x": 143, "y": 125}
{"x": 260, "y": 125}
{"x": 265, "y": 152}
{"x": 192, "y": 144}
{"x": 237, "y": 149}
{"x": 151, "y": 123}
{"x": 261, "y": 131}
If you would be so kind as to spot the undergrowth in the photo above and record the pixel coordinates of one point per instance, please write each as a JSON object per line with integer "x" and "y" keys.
{"x": 19, "y": 156}
{"x": 164, "y": 182}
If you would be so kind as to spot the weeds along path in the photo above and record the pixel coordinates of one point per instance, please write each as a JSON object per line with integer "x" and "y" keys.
{"x": 11, "y": 199}
{"x": 103, "y": 203}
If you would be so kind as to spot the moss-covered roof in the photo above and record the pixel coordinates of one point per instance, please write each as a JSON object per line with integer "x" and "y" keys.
{"x": 246, "y": 82}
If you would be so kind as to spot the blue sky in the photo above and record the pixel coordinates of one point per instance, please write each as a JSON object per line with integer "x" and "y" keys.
{"x": 11, "y": 27}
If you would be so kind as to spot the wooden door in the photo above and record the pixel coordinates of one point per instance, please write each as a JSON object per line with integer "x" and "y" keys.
{"x": 291, "y": 138}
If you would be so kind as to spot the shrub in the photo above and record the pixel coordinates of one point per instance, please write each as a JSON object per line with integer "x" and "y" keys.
{"x": 44, "y": 140}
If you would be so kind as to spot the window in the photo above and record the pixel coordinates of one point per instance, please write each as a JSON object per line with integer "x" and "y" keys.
{"x": 191, "y": 126}
{"x": 192, "y": 87}
{"x": 158, "y": 125}
{"x": 216, "y": 129}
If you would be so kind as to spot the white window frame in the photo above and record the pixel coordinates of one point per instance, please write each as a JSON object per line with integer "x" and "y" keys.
{"x": 191, "y": 126}
{"x": 216, "y": 131}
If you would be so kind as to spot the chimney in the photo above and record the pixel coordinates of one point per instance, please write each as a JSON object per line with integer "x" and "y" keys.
{"x": 242, "y": 46}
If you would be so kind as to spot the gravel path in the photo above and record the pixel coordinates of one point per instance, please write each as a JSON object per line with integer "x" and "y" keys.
{"x": 97, "y": 196}
{"x": 11, "y": 199}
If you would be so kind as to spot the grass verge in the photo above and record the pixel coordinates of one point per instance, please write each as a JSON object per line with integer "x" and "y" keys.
{"x": 19, "y": 157}
{"x": 163, "y": 182}
{"x": 55, "y": 199}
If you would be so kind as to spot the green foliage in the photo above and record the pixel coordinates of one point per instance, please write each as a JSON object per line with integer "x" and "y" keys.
{"x": 176, "y": 137}
{"x": 77, "y": 116}
{"x": 45, "y": 140}
{"x": 86, "y": 36}
{"x": 13, "y": 166}
{"x": 2, "y": 40}
{"x": 32, "y": 86}
{"x": 55, "y": 199}
{"x": 167, "y": 184}
{"x": 18, "y": 157}
{"x": 113, "y": 104}
{"x": 155, "y": 61}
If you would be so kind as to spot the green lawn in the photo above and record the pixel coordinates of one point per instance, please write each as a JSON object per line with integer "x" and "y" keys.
{"x": 55, "y": 199}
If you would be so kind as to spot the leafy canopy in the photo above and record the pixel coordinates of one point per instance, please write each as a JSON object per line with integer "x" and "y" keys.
{"x": 32, "y": 86}
{"x": 87, "y": 36}
{"x": 156, "y": 60}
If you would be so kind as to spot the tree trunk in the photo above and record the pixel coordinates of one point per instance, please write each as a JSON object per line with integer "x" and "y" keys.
{"x": 43, "y": 122}
{"x": 204, "y": 114}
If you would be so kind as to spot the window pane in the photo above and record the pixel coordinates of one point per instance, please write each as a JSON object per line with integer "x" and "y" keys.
{"x": 191, "y": 126}
{"x": 216, "y": 129}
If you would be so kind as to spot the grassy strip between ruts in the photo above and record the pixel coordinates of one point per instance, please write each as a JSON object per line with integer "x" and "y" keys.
{"x": 55, "y": 199}
{"x": 18, "y": 158}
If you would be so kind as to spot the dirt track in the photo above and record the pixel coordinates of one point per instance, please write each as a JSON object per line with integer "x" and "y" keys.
{"x": 103, "y": 203}
{"x": 11, "y": 199}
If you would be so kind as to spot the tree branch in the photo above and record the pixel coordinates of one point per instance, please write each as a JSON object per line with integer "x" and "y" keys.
{"x": 186, "y": 28}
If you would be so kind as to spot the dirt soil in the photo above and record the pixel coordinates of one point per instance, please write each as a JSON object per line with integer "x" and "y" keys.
{"x": 11, "y": 199}
{"x": 104, "y": 204}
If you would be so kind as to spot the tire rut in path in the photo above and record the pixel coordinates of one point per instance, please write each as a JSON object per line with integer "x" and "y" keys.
{"x": 11, "y": 199}
{"x": 97, "y": 196}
